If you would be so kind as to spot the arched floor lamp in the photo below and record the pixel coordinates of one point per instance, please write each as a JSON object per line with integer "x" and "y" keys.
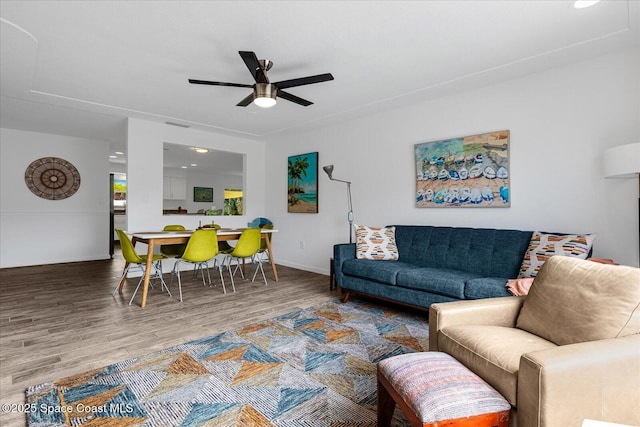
{"x": 329, "y": 170}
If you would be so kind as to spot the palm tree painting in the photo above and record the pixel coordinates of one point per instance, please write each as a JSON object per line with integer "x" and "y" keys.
{"x": 302, "y": 183}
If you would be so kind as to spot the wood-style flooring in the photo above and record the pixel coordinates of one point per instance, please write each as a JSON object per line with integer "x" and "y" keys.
{"x": 60, "y": 320}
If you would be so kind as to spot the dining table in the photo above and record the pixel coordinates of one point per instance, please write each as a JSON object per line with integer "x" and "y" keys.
{"x": 159, "y": 238}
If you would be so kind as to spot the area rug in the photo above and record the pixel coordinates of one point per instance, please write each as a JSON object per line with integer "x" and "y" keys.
{"x": 315, "y": 367}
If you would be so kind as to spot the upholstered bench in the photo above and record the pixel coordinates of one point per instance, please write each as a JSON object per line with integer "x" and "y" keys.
{"x": 433, "y": 389}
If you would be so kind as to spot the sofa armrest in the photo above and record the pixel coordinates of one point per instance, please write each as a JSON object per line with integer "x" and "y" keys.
{"x": 564, "y": 385}
{"x": 342, "y": 252}
{"x": 501, "y": 311}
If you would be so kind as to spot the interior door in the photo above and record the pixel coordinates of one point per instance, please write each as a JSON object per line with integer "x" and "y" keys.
{"x": 111, "y": 216}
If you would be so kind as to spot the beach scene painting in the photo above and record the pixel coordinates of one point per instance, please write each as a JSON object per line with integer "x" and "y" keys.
{"x": 471, "y": 171}
{"x": 302, "y": 184}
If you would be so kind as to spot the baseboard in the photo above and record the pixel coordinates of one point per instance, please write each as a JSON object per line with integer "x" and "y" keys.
{"x": 310, "y": 268}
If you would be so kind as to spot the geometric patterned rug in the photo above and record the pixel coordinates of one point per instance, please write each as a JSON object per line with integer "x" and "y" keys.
{"x": 315, "y": 367}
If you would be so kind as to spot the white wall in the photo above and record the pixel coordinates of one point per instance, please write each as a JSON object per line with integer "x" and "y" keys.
{"x": 561, "y": 122}
{"x": 198, "y": 178}
{"x": 38, "y": 231}
{"x": 145, "y": 170}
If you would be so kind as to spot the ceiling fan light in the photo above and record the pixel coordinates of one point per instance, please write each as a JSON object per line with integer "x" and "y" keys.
{"x": 264, "y": 102}
{"x": 265, "y": 95}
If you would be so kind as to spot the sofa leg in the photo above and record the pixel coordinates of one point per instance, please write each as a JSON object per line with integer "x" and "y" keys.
{"x": 345, "y": 296}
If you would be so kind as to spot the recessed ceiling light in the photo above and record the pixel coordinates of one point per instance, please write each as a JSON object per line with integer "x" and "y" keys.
{"x": 194, "y": 164}
{"x": 201, "y": 150}
{"x": 113, "y": 157}
{"x": 184, "y": 167}
{"x": 119, "y": 152}
{"x": 582, "y": 4}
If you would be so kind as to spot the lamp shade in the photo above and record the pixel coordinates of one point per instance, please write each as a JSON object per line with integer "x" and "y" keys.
{"x": 622, "y": 161}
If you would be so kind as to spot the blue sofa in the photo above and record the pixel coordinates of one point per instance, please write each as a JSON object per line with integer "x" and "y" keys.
{"x": 436, "y": 264}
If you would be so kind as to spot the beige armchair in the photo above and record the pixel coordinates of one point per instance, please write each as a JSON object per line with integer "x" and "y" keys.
{"x": 568, "y": 351}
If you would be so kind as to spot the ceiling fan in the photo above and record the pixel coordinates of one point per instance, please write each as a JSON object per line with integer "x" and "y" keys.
{"x": 264, "y": 92}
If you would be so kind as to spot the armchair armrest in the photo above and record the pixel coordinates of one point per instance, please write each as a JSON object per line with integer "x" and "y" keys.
{"x": 501, "y": 311}
{"x": 564, "y": 385}
{"x": 342, "y": 252}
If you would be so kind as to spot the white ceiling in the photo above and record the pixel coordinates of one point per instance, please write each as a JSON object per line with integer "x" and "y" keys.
{"x": 79, "y": 68}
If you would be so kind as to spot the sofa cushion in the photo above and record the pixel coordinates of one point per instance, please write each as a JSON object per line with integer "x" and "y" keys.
{"x": 545, "y": 245}
{"x": 482, "y": 251}
{"x": 392, "y": 293}
{"x": 492, "y": 352}
{"x": 435, "y": 280}
{"x": 376, "y": 243}
{"x": 573, "y": 300}
{"x": 486, "y": 287}
{"x": 378, "y": 271}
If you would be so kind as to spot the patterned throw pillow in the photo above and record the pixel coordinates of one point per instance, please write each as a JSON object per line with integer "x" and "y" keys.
{"x": 376, "y": 243}
{"x": 543, "y": 246}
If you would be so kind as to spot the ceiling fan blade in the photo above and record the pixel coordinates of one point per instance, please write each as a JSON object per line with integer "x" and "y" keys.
{"x": 293, "y": 98}
{"x": 251, "y": 61}
{"x": 304, "y": 81}
{"x": 207, "y": 82}
{"x": 248, "y": 100}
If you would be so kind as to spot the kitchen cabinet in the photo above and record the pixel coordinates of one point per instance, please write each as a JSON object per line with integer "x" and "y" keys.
{"x": 174, "y": 188}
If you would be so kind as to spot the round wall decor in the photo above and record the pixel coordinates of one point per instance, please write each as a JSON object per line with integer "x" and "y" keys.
{"x": 52, "y": 178}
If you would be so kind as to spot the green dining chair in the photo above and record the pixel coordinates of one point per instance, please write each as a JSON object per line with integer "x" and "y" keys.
{"x": 223, "y": 246}
{"x": 173, "y": 251}
{"x": 136, "y": 260}
{"x": 259, "y": 257}
{"x": 201, "y": 248}
{"x": 247, "y": 247}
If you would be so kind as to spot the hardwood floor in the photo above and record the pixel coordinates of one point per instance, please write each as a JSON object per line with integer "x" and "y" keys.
{"x": 59, "y": 320}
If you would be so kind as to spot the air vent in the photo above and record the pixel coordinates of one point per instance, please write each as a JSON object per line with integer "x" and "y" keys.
{"x": 180, "y": 125}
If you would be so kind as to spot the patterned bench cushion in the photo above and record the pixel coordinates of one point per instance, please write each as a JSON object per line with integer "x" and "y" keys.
{"x": 437, "y": 387}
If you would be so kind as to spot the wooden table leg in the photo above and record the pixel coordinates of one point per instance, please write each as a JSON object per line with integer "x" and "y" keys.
{"x": 147, "y": 273}
{"x": 273, "y": 263}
